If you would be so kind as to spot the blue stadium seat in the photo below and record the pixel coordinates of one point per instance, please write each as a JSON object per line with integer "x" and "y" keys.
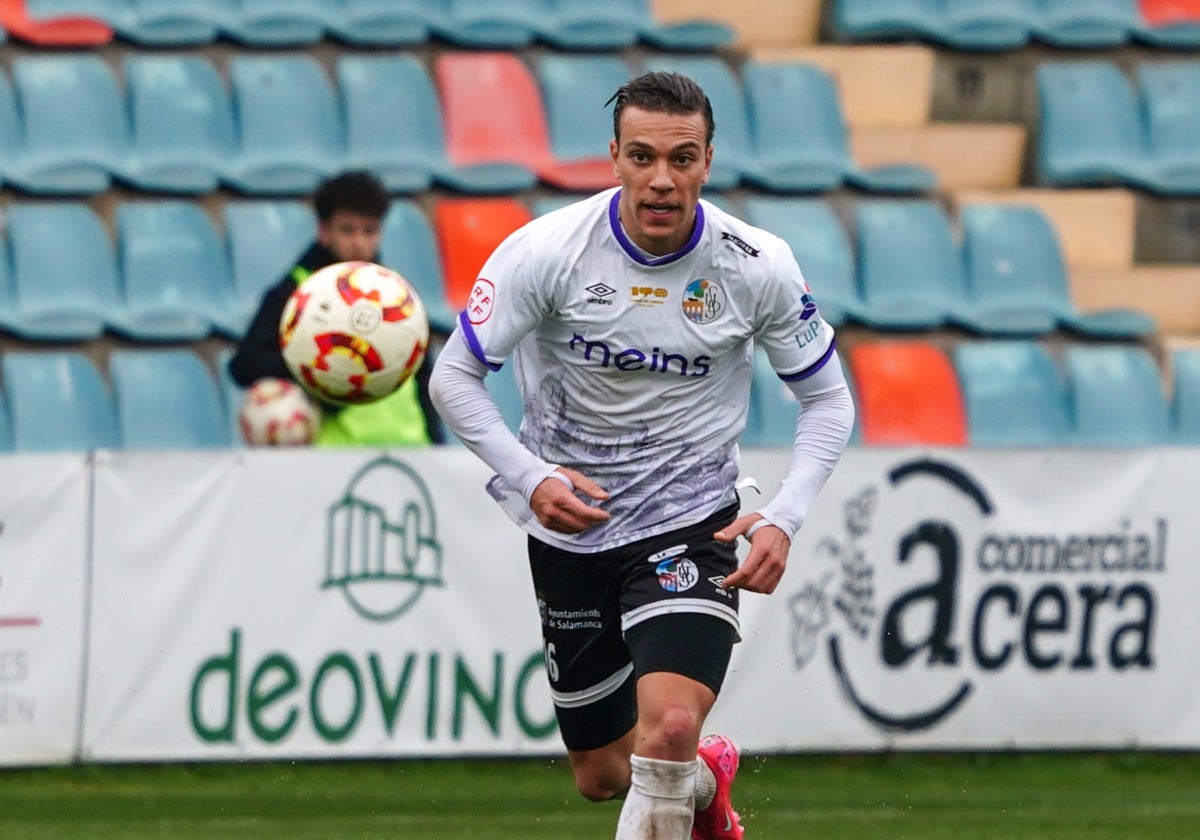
{"x": 181, "y": 22}
{"x": 773, "y": 410}
{"x": 588, "y": 25}
{"x": 6, "y": 435}
{"x": 1017, "y": 278}
{"x": 545, "y": 203}
{"x": 733, "y": 147}
{"x": 485, "y": 23}
{"x": 821, "y": 246}
{"x": 1091, "y": 24}
{"x": 873, "y": 20}
{"x": 800, "y": 135}
{"x": 1185, "y": 395}
{"x": 408, "y": 245}
{"x": 167, "y": 398}
{"x": 987, "y": 24}
{"x": 58, "y": 401}
{"x": 909, "y": 266}
{"x": 1116, "y": 396}
{"x": 289, "y": 123}
{"x": 11, "y": 134}
{"x": 76, "y": 129}
{"x": 384, "y": 23}
{"x": 1090, "y": 129}
{"x": 265, "y": 238}
{"x": 277, "y": 23}
{"x": 232, "y": 395}
{"x": 64, "y": 272}
{"x": 393, "y": 124}
{"x": 1014, "y": 394}
{"x": 175, "y": 270}
{"x": 695, "y": 34}
{"x": 1171, "y": 105}
{"x": 573, "y": 88}
{"x": 182, "y": 122}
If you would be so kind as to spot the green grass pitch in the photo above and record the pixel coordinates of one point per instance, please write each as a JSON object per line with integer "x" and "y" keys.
{"x": 799, "y": 797}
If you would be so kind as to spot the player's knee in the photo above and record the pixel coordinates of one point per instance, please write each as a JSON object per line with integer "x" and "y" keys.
{"x": 672, "y": 732}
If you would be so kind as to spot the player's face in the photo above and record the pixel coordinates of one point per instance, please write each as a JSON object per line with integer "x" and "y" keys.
{"x": 350, "y": 236}
{"x": 662, "y": 162}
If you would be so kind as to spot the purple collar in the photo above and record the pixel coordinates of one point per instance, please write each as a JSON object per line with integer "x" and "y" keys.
{"x": 635, "y": 253}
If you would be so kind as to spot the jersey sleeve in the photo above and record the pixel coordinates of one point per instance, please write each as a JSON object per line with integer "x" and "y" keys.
{"x": 505, "y": 303}
{"x": 798, "y": 341}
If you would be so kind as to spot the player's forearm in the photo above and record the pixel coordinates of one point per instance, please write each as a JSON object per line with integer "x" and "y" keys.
{"x": 822, "y": 432}
{"x": 463, "y": 402}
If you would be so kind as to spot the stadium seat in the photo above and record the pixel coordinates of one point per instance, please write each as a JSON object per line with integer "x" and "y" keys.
{"x": 182, "y": 122}
{"x": 690, "y": 31}
{"x": 1090, "y": 131}
{"x": 166, "y": 398}
{"x": 1171, "y": 24}
{"x": 502, "y": 385}
{"x": 876, "y": 20}
{"x": 987, "y": 24}
{"x": 1014, "y": 394}
{"x": 909, "y": 266}
{"x": 574, "y": 89}
{"x": 1116, "y": 396}
{"x": 800, "y": 135}
{"x": 908, "y": 393}
{"x": 232, "y": 395}
{"x": 1091, "y": 24}
{"x": 733, "y": 147}
{"x": 64, "y": 272}
{"x": 289, "y": 123}
{"x": 384, "y": 23}
{"x": 6, "y": 436}
{"x": 277, "y": 23}
{"x": 1170, "y": 96}
{"x": 485, "y": 23}
{"x": 409, "y": 246}
{"x": 175, "y": 270}
{"x": 58, "y": 402}
{"x": 58, "y": 31}
{"x": 393, "y": 122}
{"x": 588, "y": 25}
{"x": 76, "y": 129}
{"x": 264, "y": 238}
{"x": 821, "y": 246}
{"x": 1185, "y": 395}
{"x": 1018, "y": 282}
{"x": 546, "y": 203}
{"x": 11, "y": 134}
{"x": 119, "y": 15}
{"x": 773, "y": 410}
{"x": 468, "y": 230}
{"x": 167, "y": 23}
{"x": 494, "y": 121}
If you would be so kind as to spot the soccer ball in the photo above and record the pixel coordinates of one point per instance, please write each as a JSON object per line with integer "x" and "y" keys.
{"x": 353, "y": 332}
{"x": 277, "y": 412}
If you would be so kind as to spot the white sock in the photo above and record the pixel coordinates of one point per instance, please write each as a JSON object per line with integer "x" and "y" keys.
{"x": 661, "y": 800}
{"x": 706, "y": 785}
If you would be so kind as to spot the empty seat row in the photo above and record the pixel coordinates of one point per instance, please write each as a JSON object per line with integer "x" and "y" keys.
{"x": 566, "y": 24}
{"x": 1001, "y": 393}
{"x": 1008, "y": 24}
{"x": 479, "y": 122}
{"x": 1098, "y": 126}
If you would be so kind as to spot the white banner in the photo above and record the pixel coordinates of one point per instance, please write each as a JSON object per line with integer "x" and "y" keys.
{"x": 43, "y": 563}
{"x": 305, "y": 604}
{"x": 979, "y": 599}
{"x": 271, "y": 604}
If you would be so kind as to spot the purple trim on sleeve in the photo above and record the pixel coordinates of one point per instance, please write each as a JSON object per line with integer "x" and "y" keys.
{"x": 813, "y": 368}
{"x": 635, "y": 253}
{"x": 468, "y": 334}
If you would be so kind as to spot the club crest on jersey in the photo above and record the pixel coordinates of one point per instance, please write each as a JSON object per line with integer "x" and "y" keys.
{"x": 703, "y": 301}
{"x": 481, "y": 300}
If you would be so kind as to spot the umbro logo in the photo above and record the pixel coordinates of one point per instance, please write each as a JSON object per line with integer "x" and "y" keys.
{"x": 600, "y": 293}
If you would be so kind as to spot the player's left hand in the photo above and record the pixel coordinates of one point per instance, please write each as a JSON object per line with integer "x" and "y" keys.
{"x": 763, "y": 567}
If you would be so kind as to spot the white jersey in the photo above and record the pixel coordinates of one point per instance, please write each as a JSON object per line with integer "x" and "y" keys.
{"x": 635, "y": 370}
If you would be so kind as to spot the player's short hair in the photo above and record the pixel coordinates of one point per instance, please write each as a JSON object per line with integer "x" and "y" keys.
{"x": 356, "y": 191}
{"x": 666, "y": 93}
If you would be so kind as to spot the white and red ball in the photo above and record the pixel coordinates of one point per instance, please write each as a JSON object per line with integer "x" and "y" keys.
{"x": 277, "y": 412}
{"x": 353, "y": 332}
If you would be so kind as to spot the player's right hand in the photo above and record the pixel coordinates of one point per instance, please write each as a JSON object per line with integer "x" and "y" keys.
{"x": 559, "y": 509}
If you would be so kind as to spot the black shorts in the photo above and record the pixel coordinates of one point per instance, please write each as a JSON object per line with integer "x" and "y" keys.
{"x": 609, "y": 617}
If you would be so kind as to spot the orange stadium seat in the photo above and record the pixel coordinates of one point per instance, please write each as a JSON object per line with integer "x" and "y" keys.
{"x": 908, "y": 393}
{"x": 64, "y": 31}
{"x": 468, "y": 230}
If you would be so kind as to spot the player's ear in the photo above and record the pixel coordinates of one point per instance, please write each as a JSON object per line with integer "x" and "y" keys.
{"x": 708, "y": 156}
{"x": 614, "y": 152}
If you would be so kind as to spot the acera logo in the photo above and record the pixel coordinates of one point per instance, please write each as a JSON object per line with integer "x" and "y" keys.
{"x": 1074, "y": 604}
{"x": 381, "y": 546}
